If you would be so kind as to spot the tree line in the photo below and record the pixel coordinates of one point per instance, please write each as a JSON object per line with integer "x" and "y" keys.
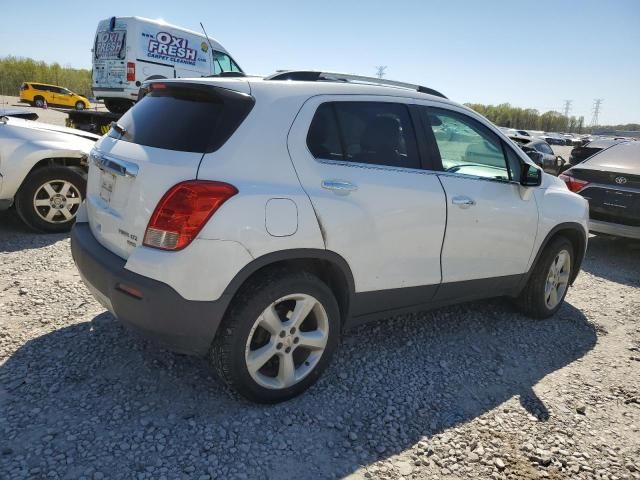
{"x": 15, "y": 70}
{"x": 506, "y": 115}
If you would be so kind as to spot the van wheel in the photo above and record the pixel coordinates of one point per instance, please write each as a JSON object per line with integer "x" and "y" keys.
{"x": 79, "y": 105}
{"x": 278, "y": 336}
{"x": 38, "y": 102}
{"x": 49, "y": 199}
{"x": 548, "y": 284}
{"x": 118, "y": 105}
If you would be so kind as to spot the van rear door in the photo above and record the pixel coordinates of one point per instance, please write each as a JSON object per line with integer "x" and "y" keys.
{"x": 155, "y": 145}
{"x": 109, "y": 50}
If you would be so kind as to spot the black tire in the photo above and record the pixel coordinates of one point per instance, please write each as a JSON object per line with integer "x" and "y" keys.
{"x": 531, "y": 300}
{"x": 79, "y": 105}
{"x": 227, "y": 353}
{"x": 115, "y": 105}
{"x": 38, "y": 102}
{"x": 31, "y": 186}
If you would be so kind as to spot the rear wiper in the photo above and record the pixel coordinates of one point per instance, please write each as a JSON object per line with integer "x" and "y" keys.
{"x": 118, "y": 128}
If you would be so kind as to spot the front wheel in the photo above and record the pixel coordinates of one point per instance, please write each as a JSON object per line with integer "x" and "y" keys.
{"x": 49, "y": 199}
{"x": 278, "y": 336}
{"x": 548, "y": 284}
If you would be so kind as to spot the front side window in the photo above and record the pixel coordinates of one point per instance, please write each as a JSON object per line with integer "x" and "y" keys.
{"x": 224, "y": 63}
{"x": 466, "y": 146}
{"x": 375, "y": 133}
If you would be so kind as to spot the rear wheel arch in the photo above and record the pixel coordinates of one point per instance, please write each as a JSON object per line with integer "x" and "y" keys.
{"x": 328, "y": 266}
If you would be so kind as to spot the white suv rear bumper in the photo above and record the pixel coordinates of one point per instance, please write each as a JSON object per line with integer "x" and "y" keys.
{"x": 201, "y": 271}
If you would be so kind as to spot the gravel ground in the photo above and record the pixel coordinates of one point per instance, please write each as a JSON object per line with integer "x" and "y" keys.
{"x": 473, "y": 391}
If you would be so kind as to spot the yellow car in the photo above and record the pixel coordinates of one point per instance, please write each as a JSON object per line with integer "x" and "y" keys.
{"x": 37, "y": 94}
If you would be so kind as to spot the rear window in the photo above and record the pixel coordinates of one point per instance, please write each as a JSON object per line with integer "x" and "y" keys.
{"x": 184, "y": 117}
{"x": 110, "y": 45}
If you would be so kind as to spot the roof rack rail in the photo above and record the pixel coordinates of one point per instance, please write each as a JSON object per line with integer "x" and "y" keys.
{"x": 315, "y": 76}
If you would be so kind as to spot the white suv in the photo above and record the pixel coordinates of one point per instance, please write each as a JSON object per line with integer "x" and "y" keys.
{"x": 253, "y": 219}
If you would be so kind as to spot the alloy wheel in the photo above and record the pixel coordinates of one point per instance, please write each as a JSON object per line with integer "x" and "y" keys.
{"x": 57, "y": 201}
{"x": 557, "y": 279}
{"x": 287, "y": 341}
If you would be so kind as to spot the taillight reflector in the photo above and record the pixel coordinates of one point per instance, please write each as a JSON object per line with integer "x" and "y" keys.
{"x": 131, "y": 72}
{"x": 573, "y": 184}
{"x": 183, "y": 211}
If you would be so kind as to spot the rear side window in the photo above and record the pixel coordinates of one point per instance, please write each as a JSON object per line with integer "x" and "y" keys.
{"x": 24, "y": 86}
{"x": 38, "y": 87}
{"x": 376, "y": 133}
{"x": 184, "y": 117}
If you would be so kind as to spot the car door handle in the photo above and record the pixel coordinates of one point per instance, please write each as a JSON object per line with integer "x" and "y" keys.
{"x": 341, "y": 187}
{"x": 463, "y": 202}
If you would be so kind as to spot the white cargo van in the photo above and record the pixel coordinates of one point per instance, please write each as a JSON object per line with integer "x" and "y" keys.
{"x": 129, "y": 50}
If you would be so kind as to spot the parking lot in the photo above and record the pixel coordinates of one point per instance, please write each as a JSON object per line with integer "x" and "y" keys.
{"x": 474, "y": 391}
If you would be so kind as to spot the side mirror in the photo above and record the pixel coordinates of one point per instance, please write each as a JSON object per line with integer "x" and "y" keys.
{"x": 530, "y": 176}
{"x": 560, "y": 161}
{"x": 535, "y": 155}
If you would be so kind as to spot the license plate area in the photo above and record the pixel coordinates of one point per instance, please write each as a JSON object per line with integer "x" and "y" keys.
{"x": 107, "y": 185}
{"x": 617, "y": 200}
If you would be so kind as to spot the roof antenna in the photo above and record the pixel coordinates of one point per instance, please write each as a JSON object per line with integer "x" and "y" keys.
{"x": 210, "y": 46}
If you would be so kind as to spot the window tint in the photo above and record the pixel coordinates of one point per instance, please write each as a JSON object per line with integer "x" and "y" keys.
{"x": 323, "y": 138}
{"x": 37, "y": 87}
{"x": 223, "y": 63}
{"x": 24, "y": 86}
{"x": 376, "y": 133}
{"x": 544, "y": 148}
{"x": 185, "y": 117}
{"x": 466, "y": 146}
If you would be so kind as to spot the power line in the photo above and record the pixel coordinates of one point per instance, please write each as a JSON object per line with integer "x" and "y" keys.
{"x": 596, "y": 111}
{"x": 381, "y": 71}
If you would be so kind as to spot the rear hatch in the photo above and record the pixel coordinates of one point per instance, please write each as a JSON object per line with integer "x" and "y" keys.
{"x": 156, "y": 144}
{"x": 613, "y": 188}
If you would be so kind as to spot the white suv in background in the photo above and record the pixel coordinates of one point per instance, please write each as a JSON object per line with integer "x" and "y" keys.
{"x": 253, "y": 219}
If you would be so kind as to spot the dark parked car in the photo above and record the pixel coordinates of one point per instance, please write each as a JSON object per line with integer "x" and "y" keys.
{"x": 610, "y": 181}
{"x": 553, "y": 139}
{"x": 581, "y": 153}
{"x": 541, "y": 153}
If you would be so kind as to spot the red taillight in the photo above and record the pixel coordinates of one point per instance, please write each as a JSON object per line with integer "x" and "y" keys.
{"x": 131, "y": 72}
{"x": 183, "y": 211}
{"x": 573, "y": 184}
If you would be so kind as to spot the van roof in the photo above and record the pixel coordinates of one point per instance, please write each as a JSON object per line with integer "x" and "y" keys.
{"x": 215, "y": 42}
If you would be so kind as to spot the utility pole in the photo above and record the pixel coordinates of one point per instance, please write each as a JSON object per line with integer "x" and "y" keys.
{"x": 596, "y": 111}
{"x": 567, "y": 107}
{"x": 381, "y": 71}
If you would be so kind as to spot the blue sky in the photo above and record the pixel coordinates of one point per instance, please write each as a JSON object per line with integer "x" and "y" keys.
{"x": 528, "y": 53}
